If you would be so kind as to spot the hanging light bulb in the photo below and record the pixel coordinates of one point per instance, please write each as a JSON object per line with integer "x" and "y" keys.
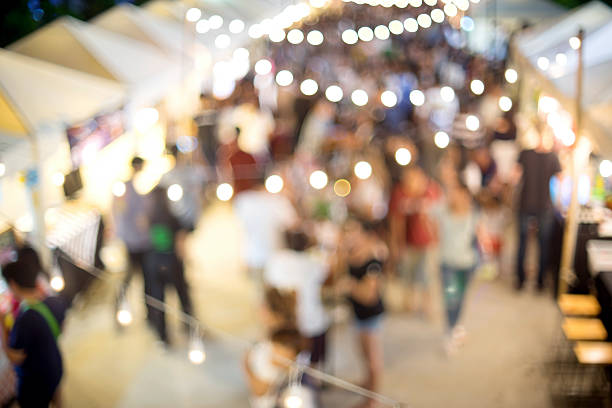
{"x": 293, "y": 397}
{"x": 57, "y": 278}
{"x": 124, "y": 312}
{"x": 197, "y": 354}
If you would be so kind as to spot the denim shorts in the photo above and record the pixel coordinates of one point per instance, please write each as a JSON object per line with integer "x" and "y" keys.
{"x": 370, "y": 324}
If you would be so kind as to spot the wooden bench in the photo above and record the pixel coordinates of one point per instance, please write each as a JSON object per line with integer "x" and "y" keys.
{"x": 579, "y": 305}
{"x": 578, "y": 328}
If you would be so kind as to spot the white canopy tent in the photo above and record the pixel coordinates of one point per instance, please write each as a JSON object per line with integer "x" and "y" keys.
{"x": 37, "y": 101}
{"x": 144, "y": 70}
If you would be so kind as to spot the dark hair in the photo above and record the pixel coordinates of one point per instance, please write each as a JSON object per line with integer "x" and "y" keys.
{"x": 296, "y": 240}
{"x": 289, "y": 337}
{"x": 24, "y": 270}
{"x": 282, "y": 304}
{"x": 137, "y": 161}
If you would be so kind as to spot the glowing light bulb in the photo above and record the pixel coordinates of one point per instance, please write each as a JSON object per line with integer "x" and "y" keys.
{"x": 236, "y": 26}
{"x": 411, "y": 25}
{"x": 505, "y": 103}
{"x": 388, "y": 98}
{"x": 318, "y": 179}
{"x": 396, "y": 27}
{"x": 118, "y": 189}
{"x": 309, "y": 87}
{"x": 334, "y": 93}
{"x": 403, "y": 156}
{"x": 605, "y": 168}
{"x": 350, "y": 36}
{"x": 511, "y": 75}
{"x": 274, "y": 184}
{"x": 225, "y": 191}
{"x": 472, "y": 123}
{"x": 175, "y": 192}
{"x": 57, "y": 282}
{"x": 417, "y": 97}
{"x": 447, "y": 94}
{"x": 58, "y": 179}
{"x": 196, "y": 354}
{"x": 359, "y": 97}
{"x": 124, "y": 312}
{"x": 441, "y": 139}
{"x": 363, "y": 170}
{"x": 295, "y": 36}
{"x": 365, "y": 34}
{"x": 193, "y": 14}
{"x": 424, "y": 20}
{"x": 575, "y": 43}
{"x": 543, "y": 63}
{"x": 381, "y": 32}
{"x": 284, "y": 78}
{"x": 437, "y": 15}
{"x": 315, "y": 37}
{"x": 216, "y": 22}
{"x": 263, "y": 67}
{"x": 477, "y": 87}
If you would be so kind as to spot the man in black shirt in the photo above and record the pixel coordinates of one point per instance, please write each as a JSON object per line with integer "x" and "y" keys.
{"x": 31, "y": 344}
{"x": 537, "y": 167}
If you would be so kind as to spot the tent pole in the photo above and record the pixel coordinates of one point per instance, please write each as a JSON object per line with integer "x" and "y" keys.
{"x": 571, "y": 222}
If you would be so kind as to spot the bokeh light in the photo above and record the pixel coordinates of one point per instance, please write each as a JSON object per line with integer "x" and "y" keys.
{"x": 350, "y": 36}
{"x": 318, "y": 179}
{"x": 605, "y": 168}
{"x": 334, "y": 93}
{"x": 388, "y": 98}
{"x": 447, "y": 94}
{"x": 403, "y": 156}
{"x": 411, "y": 25}
{"x": 309, "y": 87}
{"x": 472, "y": 123}
{"x": 363, "y": 170}
{"x": 315, "y": 37}
{"x": 295, "y": 36}
{"x": 365, "y": 34}
{"x": 284, "y": 78}
{"x": 477, "y": 87}
{"x": 505, "y": 103}
{"x": 175, "y": 192}
{"x": 193, "y": 14}
{"x": 274, "y": 183}
{"x": 342, "y": 188}
{"x": 511, "y": 75}
{"x": 225, "y": 191}
{"x": 441, "y": 139}
{"x": 359, "y": 97}
{"x": 417, "y": 97}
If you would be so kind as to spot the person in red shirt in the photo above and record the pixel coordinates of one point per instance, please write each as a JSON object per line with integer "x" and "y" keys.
{"x": 413, "y": 235}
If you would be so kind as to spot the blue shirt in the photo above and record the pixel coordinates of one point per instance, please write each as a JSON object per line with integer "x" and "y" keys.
{"x": 41, "y": 371}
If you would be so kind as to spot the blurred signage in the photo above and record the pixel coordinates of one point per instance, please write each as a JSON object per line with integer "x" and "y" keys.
{"x": 86, "y": 139}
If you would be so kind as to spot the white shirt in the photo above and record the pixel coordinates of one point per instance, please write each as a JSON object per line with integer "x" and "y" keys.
{"x": 264, "y": 217}
{"x": 302, "y": 272}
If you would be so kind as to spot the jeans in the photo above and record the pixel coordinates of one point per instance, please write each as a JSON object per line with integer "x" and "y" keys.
{"x": 544, "y": 223}
{"x": 454, "y": 285}
{"x": 161, "y": 269}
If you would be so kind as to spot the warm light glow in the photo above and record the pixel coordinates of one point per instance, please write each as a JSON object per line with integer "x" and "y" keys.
{"x": 216, "y": 22}
{"x": 411, "y": 25}
{"x": 417, "y": 97}
{"x": 197, "y": 356}
{"x": 315, "y": 37}
{"x": 309, "y": 87}
{"x": 277, "y": 35}
{"x": 561, "y": 59}
{"x": 58, "y": 179}
{"x": 447, "y": 94}
{"x": 350, "y": 36}
{"x": 462, "y": 5}
{"x": 424, "y": 20}
{"x": 575, "y": 43}
{"x": 25, "y": 223}
{"x": 293, "y": 401}
{"x": 396, "y": 27}
{"x": 263, "y": 67}
{"x": 202, "y": 26}
{"x": 223, "y": 41}
{"x": 359, "y": 97}
{"x": 441, "y": 139}
{"x": 225, "y": 191}
{"x": 511, "y": 75}
{"x": 365, "y": 34}
{"x": 284, "y": 78}
{"x": 256, "y": 31}
{"x": 318, "y": 3}
{"x": 118, "y": 189}
{"x": 450, "y": 9}
{"x": 57, "y": 283}
{"x": 318, "y": 179}
{"x": 236, "y": 26}
{"x": 403, "y": 156}
{"x": 472, "y": 123}
{"x": 388, "y": 98}
{"x": 274, "y": 183}
{"x": 342, "y": 188}
{"x": 505, "y": 103}
{"x": 363, "y": 170}
{"x": 193, "y": 14}
{"x": 334, "y": 93}
{"x": 124, "y": 312}
{"x": 605, "y": 168}
{"x": 547, "y": 104}
{"x": 437, "y": 15}
{"x": 295, "y": 36}
{"x": 175, "y": 192}
{"x": 543, "y": 63}
{"x": 145, "y": 118}
{"x": 477, "y": 87}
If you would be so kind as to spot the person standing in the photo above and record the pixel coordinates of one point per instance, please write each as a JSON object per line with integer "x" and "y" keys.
{"x": 31, "y": 344}
{"x": 535, "y": 168}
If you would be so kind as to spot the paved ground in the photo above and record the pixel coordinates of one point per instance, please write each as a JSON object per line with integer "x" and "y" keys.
{"x": 500, "y": 365}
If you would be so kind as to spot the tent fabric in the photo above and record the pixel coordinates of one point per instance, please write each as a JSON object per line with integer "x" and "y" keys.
{"x": 517, "y": 9}
{"x": 10, "y": 123}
